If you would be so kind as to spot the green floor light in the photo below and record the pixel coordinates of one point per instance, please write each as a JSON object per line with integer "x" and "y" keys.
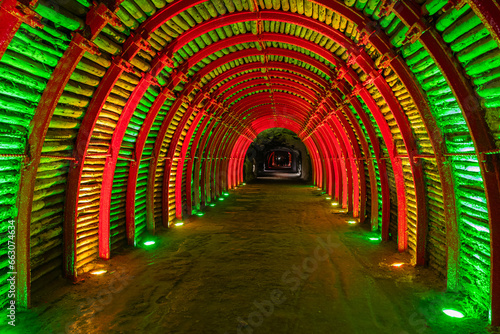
{"x": 351, "y": 222}
{"x": 212, "y": 205}
{"x": 221, "y": 198}
{"x": 226, "y": 194}
{"x": 200, "y": 214}
{"x": 453, "y": 313}
{"x": 149, "y": 243}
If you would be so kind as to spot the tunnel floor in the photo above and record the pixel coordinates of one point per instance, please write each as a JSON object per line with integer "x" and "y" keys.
{"x": 276, "y": 243}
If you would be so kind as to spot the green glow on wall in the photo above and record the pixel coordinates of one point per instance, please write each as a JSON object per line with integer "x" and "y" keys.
{"x": 472, "y": 213}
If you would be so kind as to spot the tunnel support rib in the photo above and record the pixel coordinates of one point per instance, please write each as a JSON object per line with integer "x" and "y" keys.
{"x": 97, "y": 18}
{"x": 194, "y": 159}
{"x": 182, "y": 158}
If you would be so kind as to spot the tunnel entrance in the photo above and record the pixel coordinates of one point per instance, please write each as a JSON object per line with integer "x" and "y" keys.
{"x": 277, "y": 153}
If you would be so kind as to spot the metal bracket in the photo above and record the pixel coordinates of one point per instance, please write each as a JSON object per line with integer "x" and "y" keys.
{"x": 387, "y": 6}
{"x": 386, "y": 60}
{"x": 355, "y": 91}
{"x": 84, "y": 43}
{"x": 342, "y": 72}
{"x": 262, "y": 44}
{"x": 185, "y": 100}
{"x": 415, "y": 32}
{"x": 364, "y": 37}
{"x": 206, "y": 95}
{"x": 347, "y": 101}
{"x": 168, "y": 93}
{"x": 265, "y": 58}
{"x": 24, "y": 13}
{"x": 150, "y": 79}
{"x": 354, "y": 56}
{"x": 100, "y": 9}
{"x": 166, "y": 60}
{"x": 197, "y": 85}
{"x": 211, "y": 102}
{"x": 180, "y": 76}
{"x": 141, "y": 41}
{"x": 366, "y": 32}
{"x": 372, "y": 76}
{"x": 456, "y": 4}
{"x": 259, "y": 23}
{"x": 224, "y": 108}
{"x": 486, "y": 158}
{"x": 338, "y": 105}
{"x": 123, "y": 64}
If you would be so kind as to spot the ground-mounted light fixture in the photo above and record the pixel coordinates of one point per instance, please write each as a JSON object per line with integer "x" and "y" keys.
{"x": 453, "y": 313}
{"x": 98, "y": 271}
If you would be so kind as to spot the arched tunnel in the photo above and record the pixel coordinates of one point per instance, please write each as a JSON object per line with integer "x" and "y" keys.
{"x": 121, "y": 119}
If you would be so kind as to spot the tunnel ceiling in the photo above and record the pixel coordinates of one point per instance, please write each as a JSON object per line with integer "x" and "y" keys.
{"x": 119, "y": 117}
